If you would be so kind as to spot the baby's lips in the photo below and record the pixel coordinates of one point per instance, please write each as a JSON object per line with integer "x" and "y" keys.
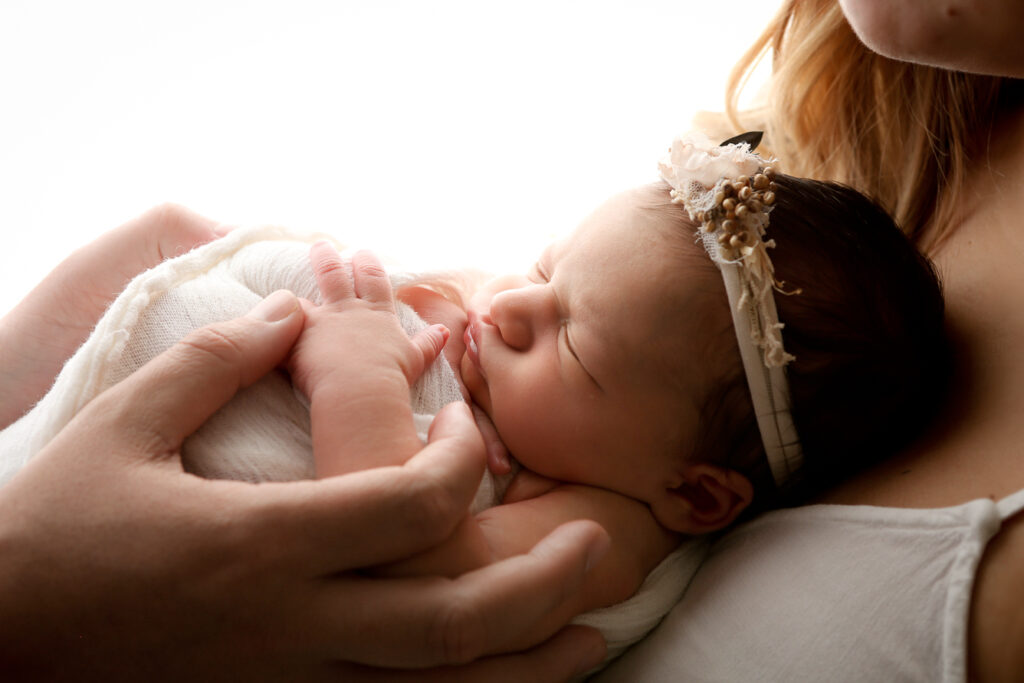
{"x": 472, "y": 350}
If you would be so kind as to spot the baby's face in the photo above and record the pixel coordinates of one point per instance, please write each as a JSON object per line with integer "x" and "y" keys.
{"x": 588, "y": 365}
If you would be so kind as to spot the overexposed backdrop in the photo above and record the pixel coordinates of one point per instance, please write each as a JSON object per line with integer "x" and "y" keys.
{"x": 441, "y": 133}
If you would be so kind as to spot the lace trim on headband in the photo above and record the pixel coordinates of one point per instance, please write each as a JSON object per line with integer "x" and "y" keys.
{"x": 729, "y": 191}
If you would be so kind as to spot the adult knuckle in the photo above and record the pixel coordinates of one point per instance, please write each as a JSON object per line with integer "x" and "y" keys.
{"x": 170, "y": 219}
{"x": 169, "y": 213}
{"x": 216, "y": 343}
{"x": 173, "y": 227}
{"x": 459, "y": 630}
{"x": 123, "y": 413}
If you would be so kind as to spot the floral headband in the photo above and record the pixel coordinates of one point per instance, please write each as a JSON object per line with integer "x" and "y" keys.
{"x": 729, "y": 191}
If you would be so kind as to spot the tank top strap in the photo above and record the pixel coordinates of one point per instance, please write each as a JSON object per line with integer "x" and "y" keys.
{"x": 1011, "y": 505}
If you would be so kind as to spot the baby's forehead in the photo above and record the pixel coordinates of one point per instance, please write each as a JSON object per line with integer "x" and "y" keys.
{"x": 658, "y": 309}
{"x": 637, "y": 279}
{"x": 640, "y": 215}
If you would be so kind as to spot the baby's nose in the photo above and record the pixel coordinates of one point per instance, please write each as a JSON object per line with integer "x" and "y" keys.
{"x": 516, "y": 314}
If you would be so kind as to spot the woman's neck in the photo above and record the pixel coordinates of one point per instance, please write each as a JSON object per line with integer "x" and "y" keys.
{"x": 973, "y": 452}
{"x": 982, "y": 261}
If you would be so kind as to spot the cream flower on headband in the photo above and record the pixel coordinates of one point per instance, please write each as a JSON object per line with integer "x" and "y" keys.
{"x": 694, "y": 158}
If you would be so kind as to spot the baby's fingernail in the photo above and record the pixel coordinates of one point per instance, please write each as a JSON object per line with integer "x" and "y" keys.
{"x": 222, "y": 230}
{"x": 275, "y": 307}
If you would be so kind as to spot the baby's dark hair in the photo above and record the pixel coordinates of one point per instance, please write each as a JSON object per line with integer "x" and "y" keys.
{"x": 873, "y": 361}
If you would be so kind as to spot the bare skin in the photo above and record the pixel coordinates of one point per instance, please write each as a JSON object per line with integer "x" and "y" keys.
{"x": 976, "y": 452}
{"x": 38, "y": 335}
{"x": 374, "y": 362}
{"x": 118, "y": 565}
{"x": 945, "y": 33}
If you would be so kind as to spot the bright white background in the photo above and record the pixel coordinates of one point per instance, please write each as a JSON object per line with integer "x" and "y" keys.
{"x": 441, "y": 133}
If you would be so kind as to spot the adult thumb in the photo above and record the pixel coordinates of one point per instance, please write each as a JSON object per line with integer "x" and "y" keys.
{"x": 171, "y": 396}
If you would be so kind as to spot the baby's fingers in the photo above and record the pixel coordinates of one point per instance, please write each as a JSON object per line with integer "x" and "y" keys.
{"x": 371, "y": 280}
{"x": 333, "y": 277}
{"x": 428, "y": 344}
{"x": 365, "y": 278}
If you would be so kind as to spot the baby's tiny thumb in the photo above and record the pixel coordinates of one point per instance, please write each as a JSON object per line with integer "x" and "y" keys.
{"x": 429, "y": 343}
{"x": 440, "y": 335}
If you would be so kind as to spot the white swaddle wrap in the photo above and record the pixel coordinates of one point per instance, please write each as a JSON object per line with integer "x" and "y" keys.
{"x": 263, "y": 433}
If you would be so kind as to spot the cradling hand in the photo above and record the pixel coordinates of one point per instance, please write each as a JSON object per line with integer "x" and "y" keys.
{"x": 116, "y": 565}
{"x": 42, "y": 332}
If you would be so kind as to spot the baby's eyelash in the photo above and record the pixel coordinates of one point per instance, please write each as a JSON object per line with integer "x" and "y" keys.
{"x": 572, "y": 351}
{"x": 568, "y": 342}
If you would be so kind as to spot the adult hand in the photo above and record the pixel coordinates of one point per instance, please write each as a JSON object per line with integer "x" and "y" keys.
{"x": 117, "y": 565}
{"x": 42, "y": 332}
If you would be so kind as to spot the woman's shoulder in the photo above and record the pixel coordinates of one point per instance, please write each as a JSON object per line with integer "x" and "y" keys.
{"x": 996, "y": 623}
{"x": 826, "y": 592}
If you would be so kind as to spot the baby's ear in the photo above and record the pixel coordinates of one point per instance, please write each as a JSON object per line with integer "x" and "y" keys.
{"x": 710, "y": 498}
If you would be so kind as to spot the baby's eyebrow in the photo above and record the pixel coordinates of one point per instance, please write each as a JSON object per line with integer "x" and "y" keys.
{"x": 541, "y": 266}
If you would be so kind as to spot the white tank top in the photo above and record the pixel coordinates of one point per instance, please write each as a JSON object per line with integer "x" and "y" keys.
{"x": 827, "y": 593}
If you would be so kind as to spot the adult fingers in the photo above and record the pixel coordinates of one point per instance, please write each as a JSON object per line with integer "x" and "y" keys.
{"x": 376, "y": 516}
{"x": 103, "y": 267}
{"x": 497, "y": 454}
{"x": 160, "y": 233}
{"x": 333, "y": 276}
{"x": 43, "y": 331}
{"x": 171, "y": 396}
{"x": 371, "y": 280}
{"x": 433, "y": 621}
{"x": 571, "y": 652}
{"x": 174, "y": 230}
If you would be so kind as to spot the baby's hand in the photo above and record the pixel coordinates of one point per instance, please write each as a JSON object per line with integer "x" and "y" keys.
{"x": 354, "y": 363}
{"x": 355, "y": 335}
